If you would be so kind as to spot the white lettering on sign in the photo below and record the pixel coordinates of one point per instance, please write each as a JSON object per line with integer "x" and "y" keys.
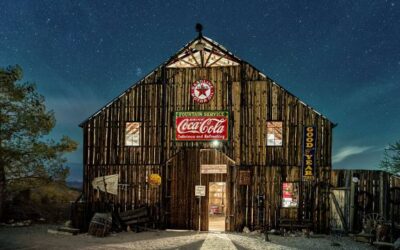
{"x": 207, "y": 126}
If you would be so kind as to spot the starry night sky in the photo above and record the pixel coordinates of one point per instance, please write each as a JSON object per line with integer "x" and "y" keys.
{"x": 340, "y": 57}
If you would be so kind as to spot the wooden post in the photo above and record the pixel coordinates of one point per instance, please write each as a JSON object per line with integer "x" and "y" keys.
{"x": 247, "y": 206}
{"x": 163, "y": 169}
{"x": 200, "y": 203}
{"x": 382, "y": 207}
{"x": 353, "y": 188}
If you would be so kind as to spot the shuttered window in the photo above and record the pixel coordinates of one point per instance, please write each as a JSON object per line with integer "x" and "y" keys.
{"x": 274, "y": 133}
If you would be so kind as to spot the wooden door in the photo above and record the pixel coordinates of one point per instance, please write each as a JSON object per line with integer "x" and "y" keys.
{"x": 339, "y": 209}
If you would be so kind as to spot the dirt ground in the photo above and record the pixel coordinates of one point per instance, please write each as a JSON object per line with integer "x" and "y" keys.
{"x": 37, "y": 237}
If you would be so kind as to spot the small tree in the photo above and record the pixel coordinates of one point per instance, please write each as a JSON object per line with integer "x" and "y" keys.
{"x": 391, "y": 159}
{"x": 25, "y": 154}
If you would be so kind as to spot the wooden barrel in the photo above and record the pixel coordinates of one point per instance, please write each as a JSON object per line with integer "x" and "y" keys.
{"x": 100, "y": 225}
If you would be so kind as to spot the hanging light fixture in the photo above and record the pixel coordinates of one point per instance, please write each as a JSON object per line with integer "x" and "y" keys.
{"x": 215, "y": 144}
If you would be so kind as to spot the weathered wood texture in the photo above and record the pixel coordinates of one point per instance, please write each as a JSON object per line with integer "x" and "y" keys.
{"x": 252, "y": 99}
{"x": 372, "y": 194}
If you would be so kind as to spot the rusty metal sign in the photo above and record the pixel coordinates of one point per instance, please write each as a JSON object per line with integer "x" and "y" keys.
{"x": 244, "y": 177}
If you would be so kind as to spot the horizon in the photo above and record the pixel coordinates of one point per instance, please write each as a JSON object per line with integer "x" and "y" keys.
{"x": 340, "y": 58}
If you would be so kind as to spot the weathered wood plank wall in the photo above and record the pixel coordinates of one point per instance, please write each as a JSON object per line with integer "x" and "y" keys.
{"x": 252, "y": 99}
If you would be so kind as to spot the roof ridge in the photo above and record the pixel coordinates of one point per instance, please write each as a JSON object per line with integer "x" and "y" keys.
{"x": 175, "y": 56}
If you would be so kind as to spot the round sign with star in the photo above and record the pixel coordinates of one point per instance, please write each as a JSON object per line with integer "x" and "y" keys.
{"x": 202, "y": 91}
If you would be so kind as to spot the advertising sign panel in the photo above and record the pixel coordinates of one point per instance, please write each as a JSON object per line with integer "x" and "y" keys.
{"x": 213, "y": 168}
{"x": 309, "y": 146}
{"x": 201, "y": 125}
{"x": 200, "y": 190}
{"x": 289, "y": 194}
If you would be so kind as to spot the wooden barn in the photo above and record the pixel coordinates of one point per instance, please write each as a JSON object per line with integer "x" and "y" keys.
{"x": 232, "y": 147}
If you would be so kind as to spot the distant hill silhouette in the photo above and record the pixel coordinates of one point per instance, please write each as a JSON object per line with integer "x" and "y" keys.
{"x": 75, "y": 185}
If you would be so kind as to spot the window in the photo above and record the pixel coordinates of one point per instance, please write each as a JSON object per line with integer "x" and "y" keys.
{"x": 290, "y": 194}
{"x": 274, "y": 133}
{"x": 132, "y": 134}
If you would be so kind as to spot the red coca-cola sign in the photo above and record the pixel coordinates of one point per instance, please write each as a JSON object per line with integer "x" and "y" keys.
{"x": 201, "y": 125}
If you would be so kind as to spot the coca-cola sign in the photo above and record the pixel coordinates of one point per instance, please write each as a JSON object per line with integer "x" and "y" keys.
{"x": 201, "y": 125}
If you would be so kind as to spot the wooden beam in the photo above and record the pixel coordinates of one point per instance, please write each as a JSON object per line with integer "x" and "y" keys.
{"x": 216, "y": 61}
{"x": 194, "y": 58}
{"x": 208, "y": 58}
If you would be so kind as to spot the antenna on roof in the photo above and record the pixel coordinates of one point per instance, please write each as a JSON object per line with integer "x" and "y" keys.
{"x": 199, "y": 29}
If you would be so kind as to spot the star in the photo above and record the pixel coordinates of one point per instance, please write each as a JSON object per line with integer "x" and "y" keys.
{"x": 202, "y": 90}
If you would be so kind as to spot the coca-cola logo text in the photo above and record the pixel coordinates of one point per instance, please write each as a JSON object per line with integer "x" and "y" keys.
{"x": 201, "y": 126}
{"x": 210, "y": 125}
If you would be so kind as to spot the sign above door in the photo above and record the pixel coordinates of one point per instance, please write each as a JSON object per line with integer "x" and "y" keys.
{"x": 213, "y": 168}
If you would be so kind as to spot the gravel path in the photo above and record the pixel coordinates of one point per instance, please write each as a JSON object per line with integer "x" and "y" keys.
{"x": 36, "y": 237}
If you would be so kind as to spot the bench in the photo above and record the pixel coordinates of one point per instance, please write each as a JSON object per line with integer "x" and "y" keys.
{"x": 294, "y": 224}
{"x": 137, "y": 218}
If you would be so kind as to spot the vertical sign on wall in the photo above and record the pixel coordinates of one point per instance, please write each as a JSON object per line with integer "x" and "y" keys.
{"x": 244, "y": 177}
{"x": 309, "y": 146}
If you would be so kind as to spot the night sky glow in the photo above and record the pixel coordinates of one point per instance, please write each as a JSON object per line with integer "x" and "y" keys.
{"x": 340, "y": 57}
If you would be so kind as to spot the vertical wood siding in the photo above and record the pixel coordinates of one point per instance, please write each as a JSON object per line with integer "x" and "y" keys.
{"x": 252, "y": 100}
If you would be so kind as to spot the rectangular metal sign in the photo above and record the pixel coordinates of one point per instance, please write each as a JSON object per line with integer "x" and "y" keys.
{"x": 309, "y": 146}
{"x": 201, "y": 125}
{"x": 200, "y": 190}
{"x": 213, "y": 169}
{"x": 289, "y": 194}
{"x": 244, "y": 177}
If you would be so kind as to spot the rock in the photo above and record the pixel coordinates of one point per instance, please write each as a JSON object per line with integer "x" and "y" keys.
{"x": 27, "y": 222}
{"x": 52, "y": 231}
{"x": 73, "y": 231}
{"x": 68, "y": 223}
{"x": 255, "y": 232}
{"x": 397, "y": 244}
{"x": 274, "y": 232}
{"x": 246, "y": 230}
{"x": 41, "y": 219}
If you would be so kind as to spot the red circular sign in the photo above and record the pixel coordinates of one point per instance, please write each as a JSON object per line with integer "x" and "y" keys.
{"x": 202, "y": 91}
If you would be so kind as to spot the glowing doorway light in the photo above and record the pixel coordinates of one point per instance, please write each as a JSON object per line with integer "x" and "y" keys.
{"x": 215, "y": 143}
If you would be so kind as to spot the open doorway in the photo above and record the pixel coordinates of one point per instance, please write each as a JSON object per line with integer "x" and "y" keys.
{"x": 217, "y": 206}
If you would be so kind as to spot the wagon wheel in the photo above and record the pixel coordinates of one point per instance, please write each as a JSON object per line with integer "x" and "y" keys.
{"x": 371, "y": 222}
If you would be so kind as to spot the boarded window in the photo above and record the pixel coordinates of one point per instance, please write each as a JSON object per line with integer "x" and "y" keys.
{"x": 132, "y": 134}
{"x": 274, "y": 133}
{"x": 290, "y": 194}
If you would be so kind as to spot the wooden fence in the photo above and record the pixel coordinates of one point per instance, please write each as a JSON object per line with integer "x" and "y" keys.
{"x": 362, "y": 192}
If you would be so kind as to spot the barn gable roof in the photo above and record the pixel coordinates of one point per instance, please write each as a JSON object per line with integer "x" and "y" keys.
{"x": 203, "y": 52}
{"x": 199, "y": 52}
